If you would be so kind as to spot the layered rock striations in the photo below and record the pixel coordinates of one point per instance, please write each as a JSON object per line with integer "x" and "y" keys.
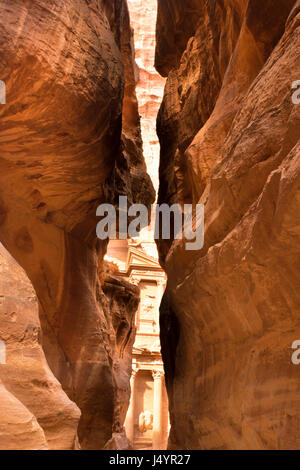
{"x": 35, "y": 412}
{"x": 150, "y": 84}
{"x": 69, "y": 139}
{"x": 229, "y": 134}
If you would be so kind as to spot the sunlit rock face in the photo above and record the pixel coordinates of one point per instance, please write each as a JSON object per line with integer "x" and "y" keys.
{"x": 70, "y": 139}
{"x": 150, "y": 84}
{"x": 35, "y": 413}
{"x": 229, "y": 135}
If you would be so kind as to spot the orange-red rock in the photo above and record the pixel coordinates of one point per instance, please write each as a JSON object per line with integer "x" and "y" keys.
{"x": 36, "y": 397}
{"x": 150, "y": 84}
{"x": 69, "y": 140}
{"x": 229, "y": 135}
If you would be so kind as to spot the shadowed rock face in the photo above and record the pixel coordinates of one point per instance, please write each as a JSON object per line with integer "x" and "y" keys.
{"x": 229, "y": 136}
{"x": 69, "y": 140}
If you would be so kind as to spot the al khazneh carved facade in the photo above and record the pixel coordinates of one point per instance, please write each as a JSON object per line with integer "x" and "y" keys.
{"x": 147, "y": 421}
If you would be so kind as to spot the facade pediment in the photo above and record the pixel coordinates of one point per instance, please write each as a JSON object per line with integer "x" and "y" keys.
{"x": 137, "y": 257}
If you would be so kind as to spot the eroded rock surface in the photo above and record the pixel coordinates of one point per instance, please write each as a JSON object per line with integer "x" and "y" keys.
{"x": 69, "y": 139}
{"x": 37, "y": 413}
{"x": 229, "y": 135}
{"x": 150, "y": 84}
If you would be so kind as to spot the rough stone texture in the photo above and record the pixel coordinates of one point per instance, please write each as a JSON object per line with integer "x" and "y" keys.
{"x": 118, "y": 441}
{"x": 229, "y": 136}
{"x": 129, "y": 176}
{"x": 150, "y": 84}
{"x": 69, "y": 140}
{"x": 18, "y": 428}
{"x": 120, "y": 300}
{"x": 37, "y": 413}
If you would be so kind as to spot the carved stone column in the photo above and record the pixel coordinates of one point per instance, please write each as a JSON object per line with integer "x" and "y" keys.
{"x": 159, "y": 294}
{"x": 129, "y": 422}
{"x": 157, "y": 409}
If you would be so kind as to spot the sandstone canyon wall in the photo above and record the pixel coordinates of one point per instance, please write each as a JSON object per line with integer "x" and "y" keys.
{"x": 69, "y": 139}
{"x": 150, "y": 84}
{"x": 229, "y": 135}
{"x": 35, "y": 413}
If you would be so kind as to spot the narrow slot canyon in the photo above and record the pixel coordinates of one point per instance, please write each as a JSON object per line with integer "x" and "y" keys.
{"x": 133, "y": 341}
